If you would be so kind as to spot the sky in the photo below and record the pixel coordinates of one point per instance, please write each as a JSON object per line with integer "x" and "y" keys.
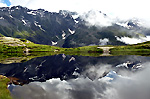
{"x": 118, "y": 9}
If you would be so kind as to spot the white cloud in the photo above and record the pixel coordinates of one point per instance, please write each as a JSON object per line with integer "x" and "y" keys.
{"x": 20, "y": 2}
{"x": 104, "y": 41}
{"x": 121, "y": 9}
{"x": 3, "y": 5}
{"x": 118, "y": 7}
{"x": 129, "y": 40}
{"x": 97, "y": 71}
{"x": 96, "y": 18}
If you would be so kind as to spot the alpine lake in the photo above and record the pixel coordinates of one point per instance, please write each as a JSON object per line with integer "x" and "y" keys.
{"x": 64, "y": 76}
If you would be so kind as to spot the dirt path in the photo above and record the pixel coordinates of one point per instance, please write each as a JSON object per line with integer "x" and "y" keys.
{"x": 105, "y": 50}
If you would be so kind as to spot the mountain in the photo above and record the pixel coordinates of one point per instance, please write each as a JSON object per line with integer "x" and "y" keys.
{"x": 64, "y": 29}
{"x": 39, "y": 26}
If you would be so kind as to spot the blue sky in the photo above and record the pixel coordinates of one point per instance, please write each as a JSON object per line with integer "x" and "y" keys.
{"x": 7, "y": 2}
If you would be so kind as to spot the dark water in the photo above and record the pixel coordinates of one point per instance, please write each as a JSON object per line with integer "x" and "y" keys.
{"x": 81, "y": 77}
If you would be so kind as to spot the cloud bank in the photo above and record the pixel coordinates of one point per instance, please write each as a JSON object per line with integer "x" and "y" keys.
{"x": 128, "y": 40}
{"x": 123, "y": 9}
{"x": 116, "y": 9}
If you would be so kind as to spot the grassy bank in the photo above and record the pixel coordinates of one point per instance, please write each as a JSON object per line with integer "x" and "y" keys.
{"x": 13, "y": 50}
{"x": 135, "y": 49}
{"x": 4, "y": 92}
{"x": 14, "y": 45}
{"x": 8, "y": 58}
{"x": 46, "y": 48}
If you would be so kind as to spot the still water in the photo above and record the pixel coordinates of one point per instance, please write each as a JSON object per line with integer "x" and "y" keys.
{"x": 80, "y": 77}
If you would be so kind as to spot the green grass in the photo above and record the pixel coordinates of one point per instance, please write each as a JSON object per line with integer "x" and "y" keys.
{"x": 140, "y": 53}
{"x": 135, "y": 49}
{"x": 38, "y": 47}
{"x": 93, "y": 54}
{"x": 12, "y": 49}
{"x": 89, "y": 49}
{"x": 8, "y": 58}
{"x": 23, "y": 34}
{"x": 9, "y": 45}
{"x": 13, "y": 45}
{"x": 4, "y": 92}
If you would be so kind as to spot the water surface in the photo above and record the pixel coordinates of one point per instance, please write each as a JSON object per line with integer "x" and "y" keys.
{"x": 80, "y": 77}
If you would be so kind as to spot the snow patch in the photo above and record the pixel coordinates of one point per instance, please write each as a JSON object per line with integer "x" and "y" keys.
{"x": 12, "y": 10}
{"x": 72, "y": 59}
{"x": 57, "y": 37}
{"x": 10, "y": 16}
{"x": 64, "y": 56}
{"x": 76, "y": 21}
{"x": 32, "y": 13}
{"x": 54, "y": 43}
{"x": 72, "y": 32}
{"x": 124, "y": 65}
{"x": 63, "y": 13}
{"x": 1, "y": 18}
{"x": 124, "y": 25}
{"x": 63, "y": 35}
{"x": 75, "y": 16}
{"x": 39, "y": 26}
{"x": 137, "y": 66}
{"x": 25, "y": 69}
{"x": 24, "y": 22}
{"x": 17, "y": 8}
{"x": 133, "y": 22}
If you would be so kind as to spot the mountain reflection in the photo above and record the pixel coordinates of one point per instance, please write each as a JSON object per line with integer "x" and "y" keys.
{"x": 80, "y": 77}
{"x": 61, "y": 66}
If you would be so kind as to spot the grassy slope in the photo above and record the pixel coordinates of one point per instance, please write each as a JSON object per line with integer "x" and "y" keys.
{"x": 4, "y": 92}
{"x": 11, "y": 50}
{"x": 8, "y": 44}
{"x": 135, "y": 49}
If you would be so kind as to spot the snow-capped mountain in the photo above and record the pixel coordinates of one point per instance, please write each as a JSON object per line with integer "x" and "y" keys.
{"x": 66, "y": 29}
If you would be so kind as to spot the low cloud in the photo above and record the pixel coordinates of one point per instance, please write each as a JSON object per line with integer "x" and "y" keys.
{"x": 96, "y": 18}
{"x": 115, "y": 9}
{"x": 128, "y": 40}
{"x": 103, "y": 41}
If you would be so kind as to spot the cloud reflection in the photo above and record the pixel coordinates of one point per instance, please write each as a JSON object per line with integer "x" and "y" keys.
{"x": 134, "y": 86}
